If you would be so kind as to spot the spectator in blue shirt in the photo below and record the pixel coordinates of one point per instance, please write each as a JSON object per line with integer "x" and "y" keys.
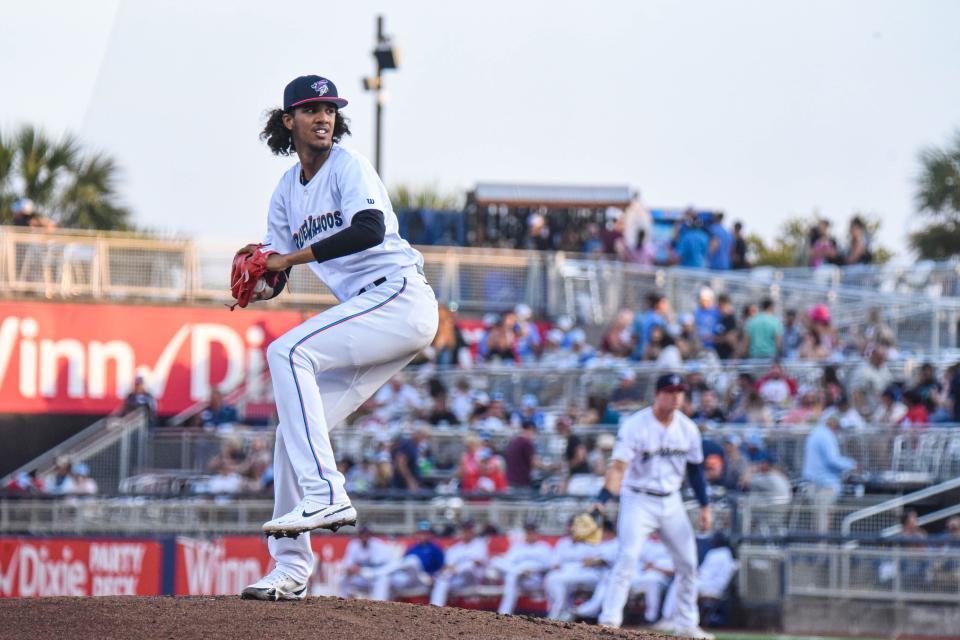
{"x": 218, "y": 412}
{"x": 824, "y": 466}
{"x": 656, "y": 315}
{"x": 721, "y": 244}
{"x": 693, "y": 245}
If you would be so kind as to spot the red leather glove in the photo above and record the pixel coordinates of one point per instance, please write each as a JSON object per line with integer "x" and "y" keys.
{"x": 247, "y": 271}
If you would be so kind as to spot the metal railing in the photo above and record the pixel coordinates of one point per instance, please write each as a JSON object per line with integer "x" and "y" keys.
{"x": 897, "y": 573}
{"x": 891, "y": 507}
{"x": 114, "y": 266}
{"x": 903, "y": 573}
{"x": 245, "y": 516}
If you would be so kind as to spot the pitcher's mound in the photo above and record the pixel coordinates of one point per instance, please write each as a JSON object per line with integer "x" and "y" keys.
{"x": 229, "y": 618}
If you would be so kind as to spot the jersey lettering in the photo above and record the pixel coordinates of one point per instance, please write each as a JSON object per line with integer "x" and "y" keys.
{"x": 665, "y": 453}
{"x": 315, "y": 225}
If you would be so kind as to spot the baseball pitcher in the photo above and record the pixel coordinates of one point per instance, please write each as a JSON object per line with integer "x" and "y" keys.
{"x": 330, "y": 211}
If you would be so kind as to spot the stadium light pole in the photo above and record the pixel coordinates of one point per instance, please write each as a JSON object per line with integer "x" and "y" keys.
{"x": 387, "y": 57}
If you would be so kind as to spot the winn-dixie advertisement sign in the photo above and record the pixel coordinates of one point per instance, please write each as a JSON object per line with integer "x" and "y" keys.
{"x": 77, "y": 358}
{"x": 224, "y": 566}
{"x": 36, "y": 567}
{"x": 39, "y": 567}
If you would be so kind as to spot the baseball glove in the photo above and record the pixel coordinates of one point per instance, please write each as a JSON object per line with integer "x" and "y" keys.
{"x": 249, "y": 275}
{"x": 587, "y": 527}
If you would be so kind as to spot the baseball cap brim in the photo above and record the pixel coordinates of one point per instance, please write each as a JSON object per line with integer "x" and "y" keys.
{"x": 673, "y": 388}
{"x": 340, "y": 102}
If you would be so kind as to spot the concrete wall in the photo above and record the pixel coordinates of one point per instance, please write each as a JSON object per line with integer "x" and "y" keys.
{"x": 877, "y": 618}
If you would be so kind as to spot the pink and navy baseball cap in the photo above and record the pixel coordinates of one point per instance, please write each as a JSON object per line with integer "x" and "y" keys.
{"x": 311, "y": 89}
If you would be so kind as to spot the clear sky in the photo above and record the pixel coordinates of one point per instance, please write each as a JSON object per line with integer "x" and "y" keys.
{"x": 763, "y": 109}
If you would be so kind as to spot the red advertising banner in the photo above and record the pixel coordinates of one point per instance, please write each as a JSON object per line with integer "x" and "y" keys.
{"x": 83, "y": 358}
{"x": 224, "y": 566}
{"x": 34, "y": 567}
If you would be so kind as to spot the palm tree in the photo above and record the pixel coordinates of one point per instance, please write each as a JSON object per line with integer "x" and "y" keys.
{"x": 73, "y": 188}
{"x": 938, "y": 195}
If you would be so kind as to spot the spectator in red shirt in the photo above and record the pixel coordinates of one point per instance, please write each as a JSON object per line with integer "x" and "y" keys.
{"x": 917, "y": 414}
{"x": 776, "y": 387}
{"x": 486, "y": 475}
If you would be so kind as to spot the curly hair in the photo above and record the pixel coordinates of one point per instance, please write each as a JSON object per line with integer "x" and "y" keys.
{"x": 279, "y": 138}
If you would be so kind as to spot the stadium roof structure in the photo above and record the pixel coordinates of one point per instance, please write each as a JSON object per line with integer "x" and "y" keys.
{"x": 528, "y": 195}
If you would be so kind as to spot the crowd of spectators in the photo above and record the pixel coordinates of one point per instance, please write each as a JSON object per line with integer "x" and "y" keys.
{"x": 699, "y": 239}
{"x": 66, "y": 479}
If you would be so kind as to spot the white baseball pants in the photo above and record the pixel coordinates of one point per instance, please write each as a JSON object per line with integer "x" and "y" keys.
{"x": 640, "y": 514}
{"x": 399, "y": 574}
{"x": 650, "y": 583}
{"x": 561, "y": 583}
{"x": 322, "y": 371}
{"x": 464, "y": 575}
{"x": 522, "y": 577}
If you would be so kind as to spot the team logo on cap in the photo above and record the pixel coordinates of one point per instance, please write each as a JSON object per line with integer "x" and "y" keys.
{"x": 321, "y": 87}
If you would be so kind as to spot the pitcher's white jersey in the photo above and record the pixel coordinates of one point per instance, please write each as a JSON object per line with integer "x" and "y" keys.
{"x": 301, "y": 214}
{"x": 657, "y": 456}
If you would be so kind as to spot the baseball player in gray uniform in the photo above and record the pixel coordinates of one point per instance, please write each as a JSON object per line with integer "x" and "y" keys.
{"x": 330, "y": 211}
{"x": 655, "y": 448}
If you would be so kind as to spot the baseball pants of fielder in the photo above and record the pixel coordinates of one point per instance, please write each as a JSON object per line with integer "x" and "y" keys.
{"x": 650, "y": 583}
{"x": 703, "y": 589}
{"x": 641, "y": 514}
{"x": 322, "y": 371}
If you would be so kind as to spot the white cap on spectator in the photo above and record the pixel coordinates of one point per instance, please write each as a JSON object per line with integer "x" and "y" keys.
{"x": 564, "y": 323}
{"x": 523, "y": 311}
{"x": 490, "y": 319}
{"x": 578, "y": 336}
{"x": 706, "y": 293}
{"x": 529, "y": 400}
{"x": 481, "y": 398}
{"x": 628, "y": 374}
{"x": 555, "y": 336}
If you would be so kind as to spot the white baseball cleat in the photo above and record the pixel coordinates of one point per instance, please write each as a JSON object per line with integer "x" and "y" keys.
{"x": 664, "y": 626}
{"x": 276, "y": 585}
{"x": 693, "y": 632}
{"x": 312, "y": 514}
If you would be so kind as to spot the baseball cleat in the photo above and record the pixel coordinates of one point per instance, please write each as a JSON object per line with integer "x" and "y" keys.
{"x": 311, "y": 514}
{"x": 664, "y": 626}
{"x": 276, "y": 585}
{"x": 693, "y": 632}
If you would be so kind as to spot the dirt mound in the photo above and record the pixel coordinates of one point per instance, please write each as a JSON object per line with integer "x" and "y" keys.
{"x": 230, "y": 618}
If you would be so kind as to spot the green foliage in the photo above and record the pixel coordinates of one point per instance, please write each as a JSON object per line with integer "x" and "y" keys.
{"x": 407, "y": 197}
{"x": 73, "y": 188}
{"x": 938, "y": 241}
{"x": 938, "y": 196}
{"x": 788, "y": 247}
